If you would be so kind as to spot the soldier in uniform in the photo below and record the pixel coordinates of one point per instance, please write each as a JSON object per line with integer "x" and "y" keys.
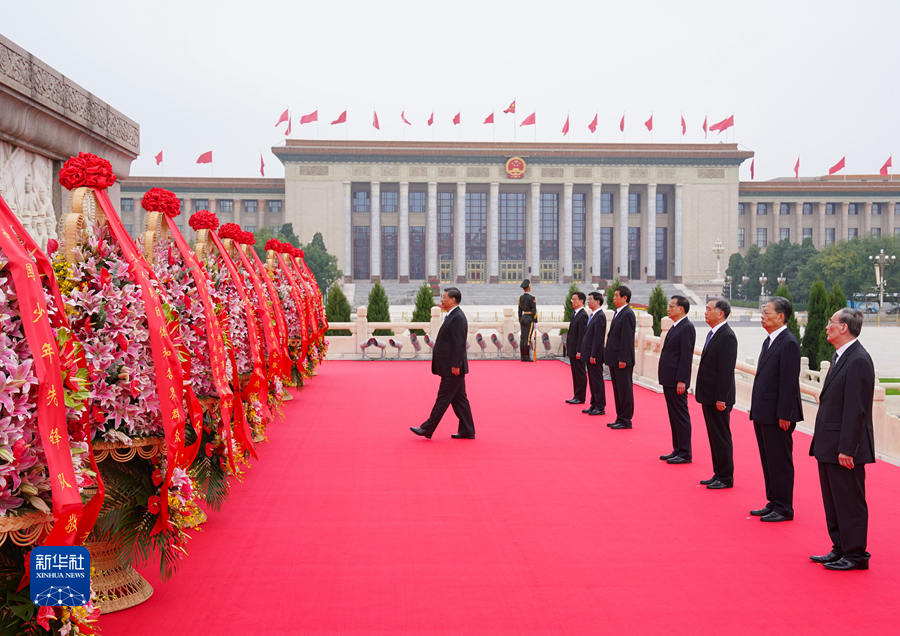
{"x": 527, "y": 320}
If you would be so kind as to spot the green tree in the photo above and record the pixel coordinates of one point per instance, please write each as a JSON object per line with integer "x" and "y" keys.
{"x": 814, "y": 334}
{"x": 657, "y": 307}
{"x": 337, "y": 309}
{"x": 422, "y": 310}
{"x": 378, "y": 309}
{"x": 568, "y": 312}
{"x": 836, "y": 300}
{"x": 611, "y": 292}
{"x": 285, "y": 234}
{"x": 322, "y": 264}
{"x": 792, "y": 324}
{"x": 753, "y": 269}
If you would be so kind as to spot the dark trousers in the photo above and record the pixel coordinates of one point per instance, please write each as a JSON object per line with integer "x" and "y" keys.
{"x": 718, "y": 428}
{"x": 525, "y": 342}
{"x": 623, "y": 391}
{"x": 598, "y": 390}
{"x": 679, "y": 420}
{"x": 776, "y": 453}
{"x": 846, "y": 512}
{"x": 579, "y": 378}
{"x": 452, "y": 392}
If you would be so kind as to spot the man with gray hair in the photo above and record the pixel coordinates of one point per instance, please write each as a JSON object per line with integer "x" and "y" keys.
{"x": 843, "y": 443}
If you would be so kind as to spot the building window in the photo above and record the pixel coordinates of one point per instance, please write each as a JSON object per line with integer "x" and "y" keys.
{"x": 829, "y": 236}
{"x": 250, "y": 227}
{"x": 276, "y": 205}
{"x": 389, "y": 200}
{"x": 129, "y": 228}
{"x": 876, "y": 232}
{"x": 476, "y": 226}
{"x": 200, "y": 204}
{"x": 807, "y": 209}
{"x": 634, "y": 253}
{"x": 762, "y": 209}
{"x": 579, "y": 227}
{"x": 741, "y": 238}
{"x": 851, "y": 209}
{"x": 606, "y": 203}
{"x": 389, "y": 252}
{"x": 417, "y": 201}
{"x": 606, "y": 253}
{"x": 225, "y": 205}
{"x": 784, "y": 209}
{"x": 417, "y": 252}
{"x": 359, "y": 202}
{"x": 445, "y": 225}
{"x": 807, "y": 233}
{"x": 829, "y": 209}
{"x": 852, "y": 233}
{"x": 511, "y": 218}
{"x": 361, "y": 252}
{"x": 896, "y": 208}
{"x": 897, "y": 231}
{"x": 662, "y": 252}
{"x": 549, "y": 237}
{"x": 742, "y": 209}
{"x": 661, "y": 207}
{"x": 634, "y": 203}
{"x": 876, "y": 209}
{"x": 126, "y": 205}
{"x": 250, "y": 205}
{"x": 762, "y": 237}
{"x": 784, "y": 234}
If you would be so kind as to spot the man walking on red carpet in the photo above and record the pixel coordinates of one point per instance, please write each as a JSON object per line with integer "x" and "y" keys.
{"x": 449, "y": 361}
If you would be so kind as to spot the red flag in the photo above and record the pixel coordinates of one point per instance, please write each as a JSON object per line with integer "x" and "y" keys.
{"x": 313, "y": 116}
{"x": 431, "y": 118}
{"x": 649, "y": 123}
{"x": 375, "y": 120}
{"x": 287, "y": 132}
{"x": 528, "y": 121}
{"x": 489, "y": 119}
{"x": 622, "y": 124}
{"x": 456, "y": 119}
{"x": 704, "y": 127}
{"x": 723, "y": 125}
{"x": 158, "y": 158}
{"x": 403, "y": 117}
{"x": 593, "y": 125}
{"x": 752, "y": 168}
{"x": 206, "y": 157}
{"x": 565, "y": 128}
{"x": 884, "y": 169}
{"x": 838, "y": 166}
{"x": 797, "y": 169}
{"x": 511, "y": 108}
{"x": 342, "y": 119}
{"x": 284, "y": 117}
{"x": 683, "y": 126}
{"x": 262, "y": 166}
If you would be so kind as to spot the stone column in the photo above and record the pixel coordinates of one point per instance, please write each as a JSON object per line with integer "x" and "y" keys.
{"x": 403, "y": 230}
{"x": 679, "y": 230}
{"x": 842, "y": 233}
{"x": 459, "y": 233}
{"x": 797, "y": 236}
{"x": 348, "y": 234}
{"x": 534, "y": 253}
{"x": 431, "y": 262}
{"x": 891, "y": 217}
{"x": 493, "y": 260}
{"x": 622, "y": 239}
{"x": 865, "y": 219}
{"x": 375, "y": 232}
{"x": 596, "y": 205}
{"x": 819, "y": 241}
{"x": 651, "y": 233}
{"x": 774, "y": 223}
{"x": 751, "y": 210}
{"x": 566, "y": 259}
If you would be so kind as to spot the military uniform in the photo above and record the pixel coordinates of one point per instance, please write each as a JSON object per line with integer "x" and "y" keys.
{"x": 527, "y": 320}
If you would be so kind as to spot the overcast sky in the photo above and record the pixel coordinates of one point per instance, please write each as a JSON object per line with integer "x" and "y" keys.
{"x": 810, "y": 79}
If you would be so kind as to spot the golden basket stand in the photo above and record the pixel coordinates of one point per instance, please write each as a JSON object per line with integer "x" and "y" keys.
{"x": 25, "y": 529}
{"x": 119, "y": 586}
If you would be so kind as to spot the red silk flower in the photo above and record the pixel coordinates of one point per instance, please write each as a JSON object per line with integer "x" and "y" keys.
{"x": 86, "y": 170}
{"x": 203, "y": 220}
{"x": 230, "y": 231}
{"x": 272, "y": 244}
{"x": 161, "y": 200}
{"x": 247, "y": 238}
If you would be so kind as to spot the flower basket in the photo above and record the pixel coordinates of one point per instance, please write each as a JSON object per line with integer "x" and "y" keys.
{"x": 25, "y": 529}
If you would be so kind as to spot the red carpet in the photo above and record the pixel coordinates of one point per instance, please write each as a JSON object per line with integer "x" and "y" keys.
{"x": 548, "y": 522}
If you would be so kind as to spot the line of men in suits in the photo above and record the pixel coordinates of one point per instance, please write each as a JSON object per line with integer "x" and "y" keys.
{"x": 843, "y": 439}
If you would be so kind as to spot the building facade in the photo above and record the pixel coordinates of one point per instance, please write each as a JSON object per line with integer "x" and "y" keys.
{"x": 499, "y": 212}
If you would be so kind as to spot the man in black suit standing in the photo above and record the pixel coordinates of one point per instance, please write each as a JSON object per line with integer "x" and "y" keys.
{"x": 674, "y": 372}
{"x": 449, "y": 361}
{"x": 619, "y": 355}
{"x": 715, "y": 392}
{"x": 775, "y": 409}
{"x": 843, "y": 443}
{"x": 573, "y": 348}
{"x": 591, "y": 353}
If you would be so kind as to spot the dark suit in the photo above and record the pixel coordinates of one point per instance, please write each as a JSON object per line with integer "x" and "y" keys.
{"x": 715, "y": 383}
{"x": 776, "y": 396}
{"x": 573, "y": 346}
{"x": 620, "y": 348}
{"x": 592, "y": 347}
{"x": 527, "y": 320}
{"x": 675, "y": 362}
{"x": 450, "y": 351}
{"x": 844, "y": 425}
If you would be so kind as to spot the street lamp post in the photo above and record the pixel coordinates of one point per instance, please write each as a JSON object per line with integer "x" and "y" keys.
{"x": 763, "y": 297}
{"x": 781, "y": 279}
{"x": 728, "y": 281}
{"x": 744, "y": 281}
{"x": 881, "y": 261}
{"x": 718, "y": 249}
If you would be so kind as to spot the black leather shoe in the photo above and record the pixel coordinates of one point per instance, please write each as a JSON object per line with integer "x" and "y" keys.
{"x": 669, "y": 456}
{"x": 719, "y": 485}
{"x": 611, "y": 424}
{"x": 678, "y": 460}
{"x": 461, "y": 436}
{"x": 776, "y": 516}
{"x": 574, "y": 401}
{"x": 586, "y": 410}
{"x": 761, "y": 512}
{"x": 620, "y": 425}
{"x": 848, "y": 564}
{"x": 826, "y": 558}
{"x": 596, "y": 412}
{"x": 418, "y": 430}
{"x": 707, "y": 482}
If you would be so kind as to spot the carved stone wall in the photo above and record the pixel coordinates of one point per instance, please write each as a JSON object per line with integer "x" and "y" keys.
{"x": 26, "y": 184}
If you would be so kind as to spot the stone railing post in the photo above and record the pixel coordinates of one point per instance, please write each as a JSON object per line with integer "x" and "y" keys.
{"x": 644, "y": 330}
{"x": 509, "y": 324}
{"x": 435, "y": 323}
{"x": 362, "y": 327}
